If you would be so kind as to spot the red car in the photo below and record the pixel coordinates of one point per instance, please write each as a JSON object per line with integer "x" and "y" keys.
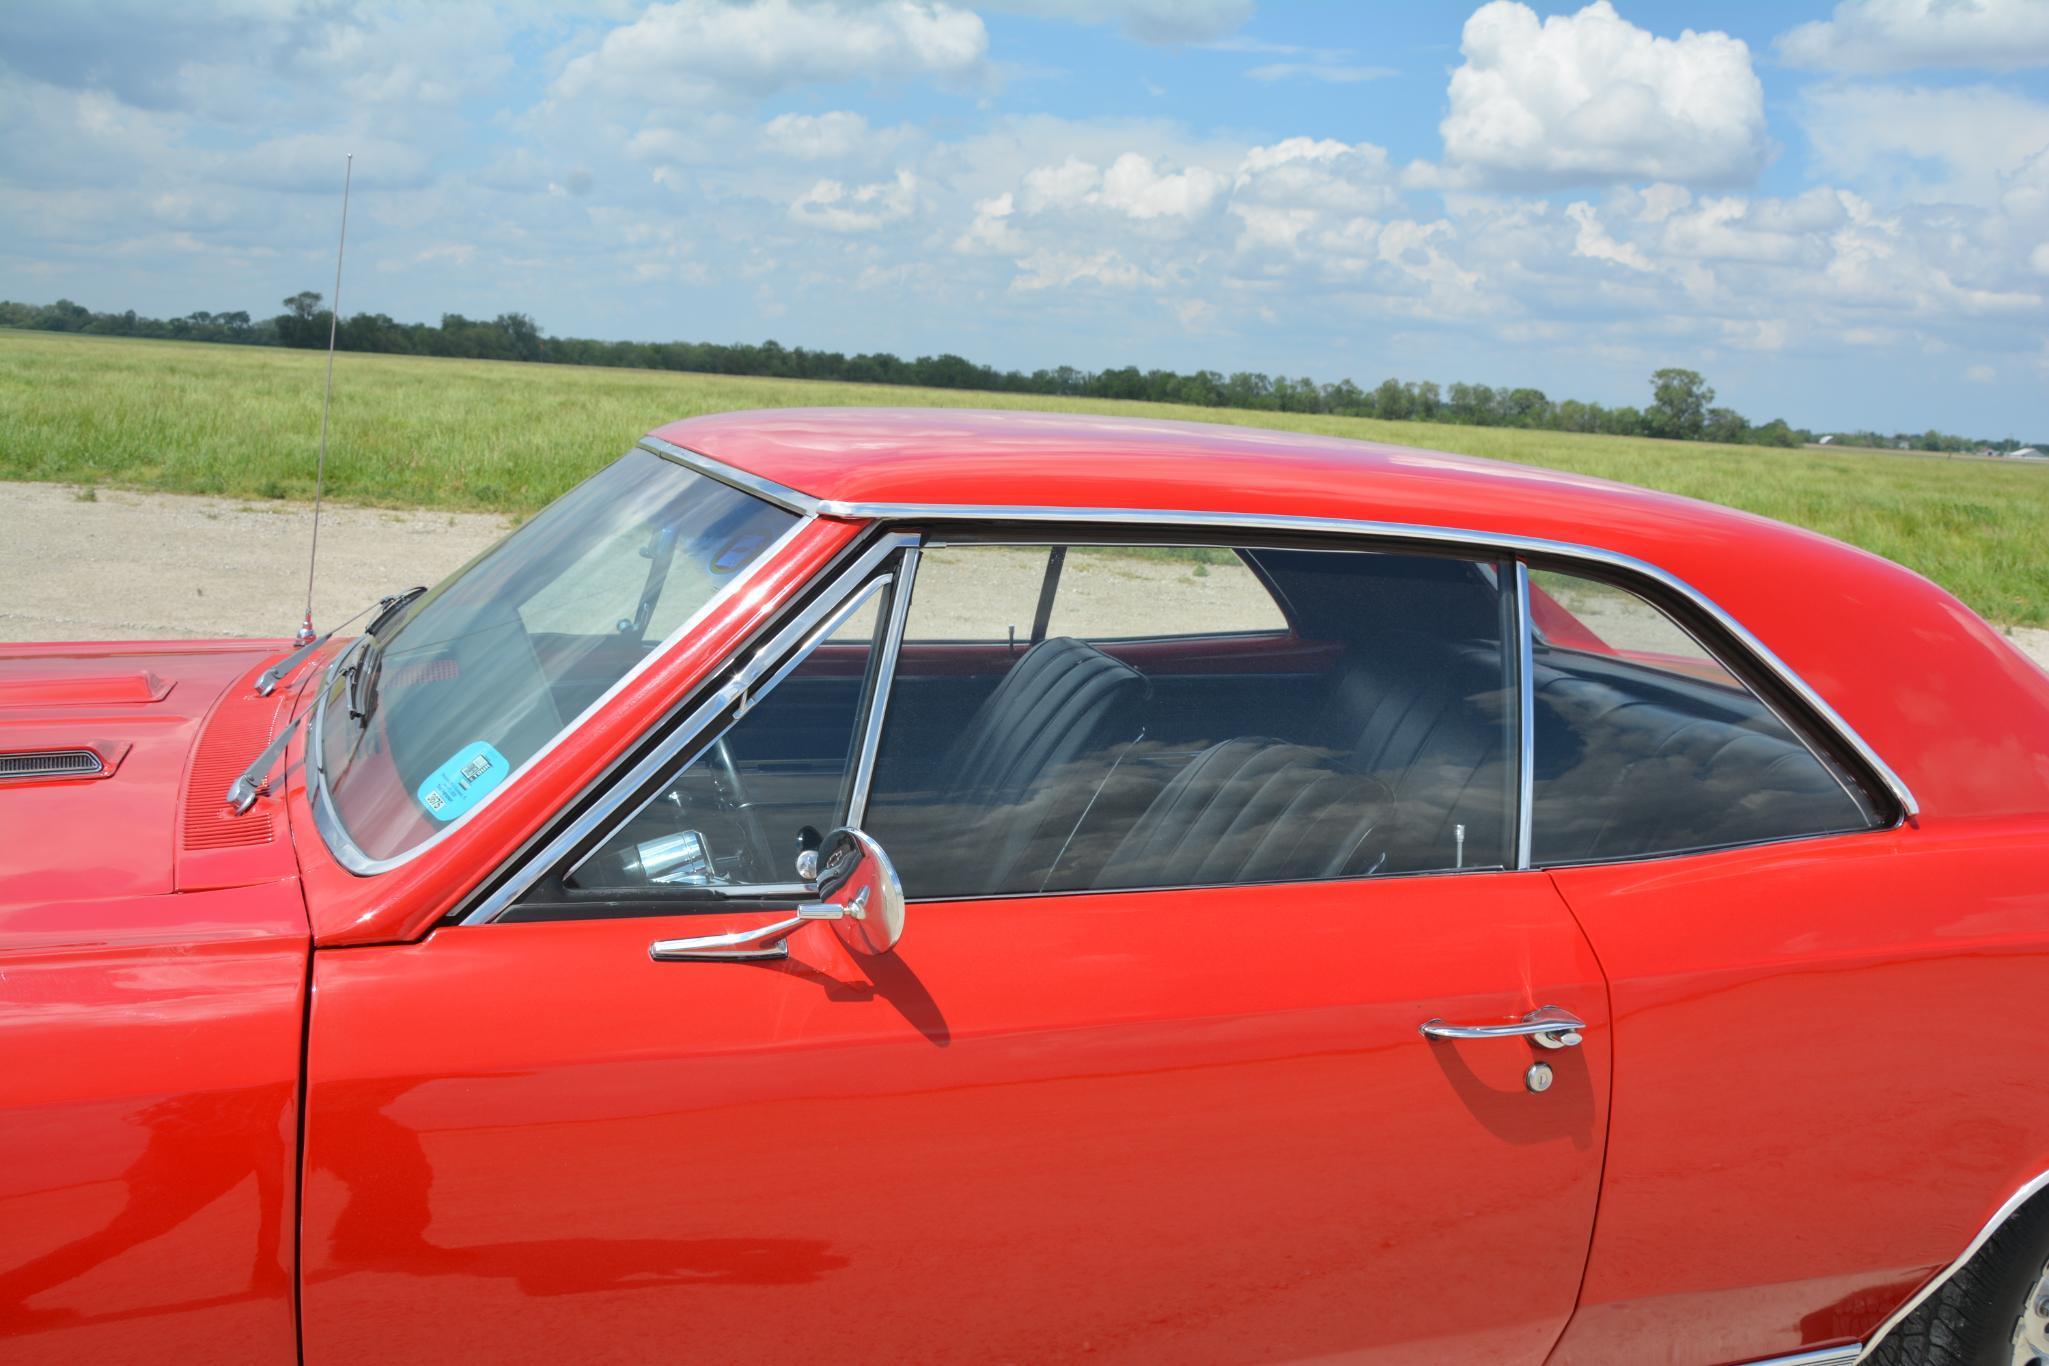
{"x": 1283, "y": 898}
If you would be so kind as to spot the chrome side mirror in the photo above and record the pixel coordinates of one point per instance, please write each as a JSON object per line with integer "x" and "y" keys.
{"x": 858, "y": 891}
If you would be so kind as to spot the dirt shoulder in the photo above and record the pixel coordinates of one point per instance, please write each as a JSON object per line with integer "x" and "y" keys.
{"x": 135, "y": 566}
{"x": 132, "y": 566}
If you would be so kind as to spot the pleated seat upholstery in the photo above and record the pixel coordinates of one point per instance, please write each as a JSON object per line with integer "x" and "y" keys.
{"x": 1254, "y": 810}
{"x": 1022, "y": 773}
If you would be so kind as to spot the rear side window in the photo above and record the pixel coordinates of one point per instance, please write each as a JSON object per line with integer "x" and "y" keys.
{"x": 1647, "y": 744}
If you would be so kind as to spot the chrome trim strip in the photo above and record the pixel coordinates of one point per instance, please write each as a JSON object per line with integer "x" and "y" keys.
{"x": 1401, "y": 531}
{"x": 1821, "y": 1356}
{"x": 878, "y": 704}
{"x": 733, "y": 693}
{"x": 780, "y": 494}
{"x": 328, "y": 821}
{"x": 2006, "y": 1211}
{"x": 1526, "y": 722}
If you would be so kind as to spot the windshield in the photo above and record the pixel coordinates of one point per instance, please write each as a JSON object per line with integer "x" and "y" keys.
{"x": 431, "y": 715}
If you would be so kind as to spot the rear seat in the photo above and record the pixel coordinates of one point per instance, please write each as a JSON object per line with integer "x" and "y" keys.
{"x": 1426, "y": 720}
{"x": 1622, "y": 773}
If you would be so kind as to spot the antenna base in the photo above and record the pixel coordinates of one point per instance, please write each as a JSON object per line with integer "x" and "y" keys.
{"x": 305, "y": 635}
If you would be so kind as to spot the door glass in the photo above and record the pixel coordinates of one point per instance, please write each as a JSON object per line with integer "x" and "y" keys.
{"x": 737, "y": 814}
{"x": 1647, "y": 744}
{"x": 1151, "y": 743}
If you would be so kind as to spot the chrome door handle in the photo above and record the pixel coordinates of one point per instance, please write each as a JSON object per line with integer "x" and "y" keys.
{"x": 1546, "y": 1026}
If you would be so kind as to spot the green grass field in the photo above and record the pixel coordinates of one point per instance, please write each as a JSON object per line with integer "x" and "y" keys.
{"x": 490, "y": 436}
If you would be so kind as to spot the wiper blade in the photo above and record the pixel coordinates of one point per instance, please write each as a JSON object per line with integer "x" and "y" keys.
{"x": 391, "y": 607}
{"x": 386, "y": 608}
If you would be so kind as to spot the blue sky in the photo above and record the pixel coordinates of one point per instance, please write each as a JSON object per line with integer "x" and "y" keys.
{"x": 1839, "y": 212}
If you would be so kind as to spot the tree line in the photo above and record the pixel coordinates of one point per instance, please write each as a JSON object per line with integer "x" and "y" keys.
{"x": 1682, "y": 405}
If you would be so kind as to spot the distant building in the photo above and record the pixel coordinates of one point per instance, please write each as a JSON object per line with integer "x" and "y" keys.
{"x": 2030, "y": 453}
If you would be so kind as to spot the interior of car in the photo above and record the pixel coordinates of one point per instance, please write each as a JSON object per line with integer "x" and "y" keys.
{"x": 1287, "y": 714}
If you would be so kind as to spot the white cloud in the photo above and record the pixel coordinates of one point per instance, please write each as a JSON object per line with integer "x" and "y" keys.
{"x": 1149, "y": 21}
{"x": 1591, "y": 98}
{"x": 1970, "y": 145}
{"x": 1062, "y": 269}
{"x": 1596, "y": 245}
{"x": 863, "y": 208}
{"x": 1981, "y": 374}
{"x": 1134, "y": 187}
{"x": 1902, "y": 35}
{"x": 694, "y": 51}
{"x": 818, "y": 137}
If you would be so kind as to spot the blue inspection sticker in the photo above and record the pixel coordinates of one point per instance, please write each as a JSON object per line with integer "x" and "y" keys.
{"x": 461, "y": 783}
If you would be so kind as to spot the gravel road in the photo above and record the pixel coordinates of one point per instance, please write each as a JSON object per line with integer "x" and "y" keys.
{"x": 132, "y": 566}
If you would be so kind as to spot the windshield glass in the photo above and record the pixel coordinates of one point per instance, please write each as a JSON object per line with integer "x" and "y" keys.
{"x": 428, "y": 718}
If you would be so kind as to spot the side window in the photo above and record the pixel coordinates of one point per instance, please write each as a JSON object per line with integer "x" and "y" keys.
{"x": 737, "y": 814}
{"x": 1141, "y": 744}
{"x": 996, "y": 601}
{"x": 1136, "y": 592}
{"x": 1647, "y": 744}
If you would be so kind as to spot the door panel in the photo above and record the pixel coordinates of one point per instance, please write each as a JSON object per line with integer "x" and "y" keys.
{"x": 1824, "y": 1041}
{"x": 1187, "y": 1125}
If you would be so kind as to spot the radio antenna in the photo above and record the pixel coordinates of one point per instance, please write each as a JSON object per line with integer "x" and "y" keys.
{"x": 305, "y": 634}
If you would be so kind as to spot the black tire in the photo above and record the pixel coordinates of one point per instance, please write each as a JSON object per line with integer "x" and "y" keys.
{"x": 1970, "y": 1320}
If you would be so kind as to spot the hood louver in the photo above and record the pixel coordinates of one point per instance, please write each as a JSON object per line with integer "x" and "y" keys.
{"x": 51, "y": 763}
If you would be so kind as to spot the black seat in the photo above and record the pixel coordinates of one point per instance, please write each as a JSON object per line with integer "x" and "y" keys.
{"x": 1427, "y": 720}
{"x": 1016, "y": 781}
{"x": 1253, "y": 810}
{"x": 1629, "y": 764}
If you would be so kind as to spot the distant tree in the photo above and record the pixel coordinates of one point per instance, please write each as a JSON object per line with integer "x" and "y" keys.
{"x": 304, "y": 321}
{"x": 1426, "y": 402}
{"x": 1679, "y": 404}
{"x": 1727, "y": 425}
{"x": 1391, "y": 401}
{"x": 1775, "y": 433}
{"x": 1525, "y": 408}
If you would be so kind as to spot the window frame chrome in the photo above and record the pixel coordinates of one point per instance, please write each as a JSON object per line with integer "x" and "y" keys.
{"x": 886, "y": 520}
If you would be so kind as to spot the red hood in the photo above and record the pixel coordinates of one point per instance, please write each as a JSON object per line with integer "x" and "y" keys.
{"x": 173, "y": 723}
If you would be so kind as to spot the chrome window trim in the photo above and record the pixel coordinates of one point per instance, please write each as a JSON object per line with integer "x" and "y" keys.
{"x": 328, "y": 821}
{"x": 2027, "y": 1192}
{"x": 1760, "y": 654}
{"x": 885, "y": 676}
{"x": 1526, "y": 720}
{"x": 768, "y": 490}
{"x": 736, "y": 692}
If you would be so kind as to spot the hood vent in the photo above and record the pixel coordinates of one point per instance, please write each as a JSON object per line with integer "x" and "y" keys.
{"x": 51, "y": 763}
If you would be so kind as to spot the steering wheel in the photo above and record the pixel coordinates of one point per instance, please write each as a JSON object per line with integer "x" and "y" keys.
{"x": 733, "y": 794}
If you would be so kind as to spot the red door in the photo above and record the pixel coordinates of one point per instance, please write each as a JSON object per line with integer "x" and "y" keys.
{"x": 1824, "y": 1039}
{"x": 1152, "y": 1126}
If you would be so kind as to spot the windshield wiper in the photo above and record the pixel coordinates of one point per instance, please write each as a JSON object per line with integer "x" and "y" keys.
{"x": 385, "y": 607}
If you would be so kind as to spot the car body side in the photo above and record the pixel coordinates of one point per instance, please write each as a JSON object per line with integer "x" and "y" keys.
{"x": 1947, "y": 913}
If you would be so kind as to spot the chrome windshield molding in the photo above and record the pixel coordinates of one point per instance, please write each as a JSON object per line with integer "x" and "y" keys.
{"x": 1936, "y": 1282}
{"x": 878, "y": 704}
{"x": 1823, "y": 1356}
{"x": 1449, "y": 537}
{"x": 781, "y": 495}
{"x": 800, "y": 631}
{"x": 1526, "y": 719}
{"x": 328, "y": 821}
